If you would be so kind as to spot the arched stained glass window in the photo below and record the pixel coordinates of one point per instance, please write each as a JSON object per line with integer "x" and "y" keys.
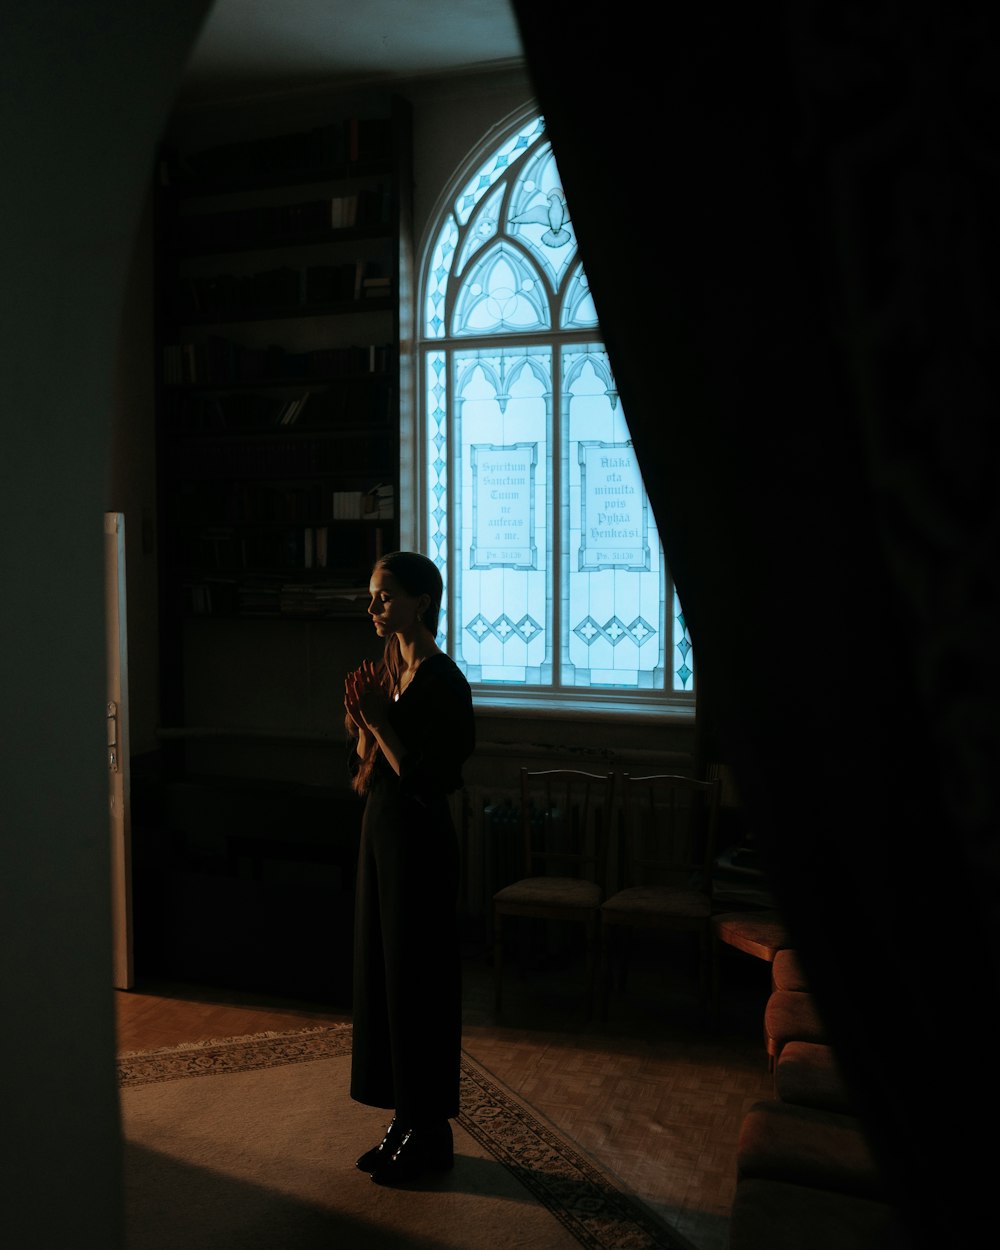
{"x": 532, "y": 502}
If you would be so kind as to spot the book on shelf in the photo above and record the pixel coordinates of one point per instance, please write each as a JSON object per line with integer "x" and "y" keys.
{"x": 224, "y": 296}
{"x": 300, "y": 156}
{"x": 283, "y": 547}
{"x": 380, "y": 502}
{"x": 321, "y": 599}
{"x": 369, "y": 275}
{"x": 369, "y": 138}
{"x": 343, "y": 211}
{"x": 259, "y": 595}
{"x": 322, "y": 151}
{"x": 211, "y": 596}
{"x": 219, "y": 361}
{"x": 233, "y": 229}
{"x": 293, "y": 408}
{"x": 353, "y": 128}
{"x": 347, "y": 505}
{"x": 211, "y": 547}
{"x": 221, "y": 296}
{"x": 315, "y": 546}
{"x": 330, "y": 284}
{"x": 369, "y": 206}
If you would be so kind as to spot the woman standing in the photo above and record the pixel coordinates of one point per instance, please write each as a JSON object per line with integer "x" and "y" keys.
{"x": 411, "y": 728}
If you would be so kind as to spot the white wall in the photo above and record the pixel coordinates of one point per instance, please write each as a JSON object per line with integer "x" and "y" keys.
{"x": 86, "y": 87}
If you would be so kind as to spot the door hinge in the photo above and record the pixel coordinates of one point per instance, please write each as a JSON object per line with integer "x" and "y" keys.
{"x": 112, "y": 715}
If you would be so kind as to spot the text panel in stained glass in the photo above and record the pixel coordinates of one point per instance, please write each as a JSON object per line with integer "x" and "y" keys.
{"x": 612, "y": 582}
{"x": 503, "y": 419}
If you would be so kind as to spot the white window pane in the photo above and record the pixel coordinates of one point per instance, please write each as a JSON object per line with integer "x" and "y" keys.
{"x": 503, "y": 423}
{"x": 612, "y": 580}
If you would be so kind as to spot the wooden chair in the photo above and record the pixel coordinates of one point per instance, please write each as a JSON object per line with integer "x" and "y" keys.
{"x": 565, "y": 818}
{"x": 809, "y": 1074}
{"x": 790, "y": 1016}
{"x": 787, "y": 972}
{"x": 760, "y": 933}
{"x": 669, "y": 828}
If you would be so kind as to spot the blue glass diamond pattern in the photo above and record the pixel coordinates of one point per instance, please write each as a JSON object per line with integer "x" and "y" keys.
{"x": 503, "y": 628}
{"x": 613, "y": 631}
{"x": 640, "y": 631}
{"x": 527, "y": 627}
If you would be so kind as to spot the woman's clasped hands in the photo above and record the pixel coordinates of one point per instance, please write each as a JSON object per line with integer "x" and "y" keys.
{"x": 365, "y": 698}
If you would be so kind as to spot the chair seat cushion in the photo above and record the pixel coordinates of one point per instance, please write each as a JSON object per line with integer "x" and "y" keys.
{"x": 535, "y": 892}
{"x": 808, "y": 1073}
{"x": 787, "y": 972}
{"x": 807, "y": 1146}
{"x": 760, "y": 933}
{"x": 775, "y": 1215}
{"x": 791, "y": 1016}
{"x": 645, "y": 903}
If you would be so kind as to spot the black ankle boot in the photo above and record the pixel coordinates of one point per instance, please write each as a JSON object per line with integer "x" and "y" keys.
{"x": 383, "y": 1152}
{"x": 427, "y": 1148}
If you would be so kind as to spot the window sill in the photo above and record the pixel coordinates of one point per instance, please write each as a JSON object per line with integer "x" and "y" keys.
{"x": 589, "y": 707}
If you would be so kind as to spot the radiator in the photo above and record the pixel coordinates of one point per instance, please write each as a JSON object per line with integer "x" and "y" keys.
{"x": 491, "y": 845}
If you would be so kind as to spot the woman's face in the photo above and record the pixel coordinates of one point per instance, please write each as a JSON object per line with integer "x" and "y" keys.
{"x": 391, "y": 608}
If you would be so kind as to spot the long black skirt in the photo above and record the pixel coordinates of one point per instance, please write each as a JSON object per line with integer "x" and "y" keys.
{"x": 407, "y": 1017}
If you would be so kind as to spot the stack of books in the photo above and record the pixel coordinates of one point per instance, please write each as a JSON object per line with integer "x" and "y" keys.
{"x": 380, "y": 502}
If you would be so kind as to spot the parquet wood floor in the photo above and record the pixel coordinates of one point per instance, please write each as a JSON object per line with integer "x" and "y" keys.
{"x": 653, "y": 1092}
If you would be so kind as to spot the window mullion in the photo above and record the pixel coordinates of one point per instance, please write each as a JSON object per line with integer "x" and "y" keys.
{"x": 558, "y": 513}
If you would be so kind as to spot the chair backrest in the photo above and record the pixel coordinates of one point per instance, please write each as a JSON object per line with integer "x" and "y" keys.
{"x": 668, "y": 830}
{"x": 565, "y": 821}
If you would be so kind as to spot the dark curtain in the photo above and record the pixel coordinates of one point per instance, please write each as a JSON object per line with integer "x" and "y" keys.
{"x": 788, "y": 215}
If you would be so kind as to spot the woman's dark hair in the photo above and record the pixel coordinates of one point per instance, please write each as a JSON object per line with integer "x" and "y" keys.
{"x": 418, "y": 576}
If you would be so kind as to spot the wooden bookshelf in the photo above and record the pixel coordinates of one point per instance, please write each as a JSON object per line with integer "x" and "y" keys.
{"x": 280, "y": 264}
{"x": 283, "y": 292}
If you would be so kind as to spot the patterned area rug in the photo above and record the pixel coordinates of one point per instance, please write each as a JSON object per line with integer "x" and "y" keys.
{"x": 263, "y": 1157}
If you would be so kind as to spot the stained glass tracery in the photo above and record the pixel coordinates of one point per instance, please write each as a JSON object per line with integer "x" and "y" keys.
{"x": 535, "y": 509}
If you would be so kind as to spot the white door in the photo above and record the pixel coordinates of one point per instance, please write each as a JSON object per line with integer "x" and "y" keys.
{"x": 116, "y": 709}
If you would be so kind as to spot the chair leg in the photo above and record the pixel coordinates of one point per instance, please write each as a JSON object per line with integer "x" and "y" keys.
{"x": 593, "y": 958}
{"x": 704, "y": 973}
{"x": 624, "y": 956}
{"x": 497, "y": 965}
{"x": 715, "y": 947}
{"x": 604, "y": 974}
{"x": 615, "y": 945}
